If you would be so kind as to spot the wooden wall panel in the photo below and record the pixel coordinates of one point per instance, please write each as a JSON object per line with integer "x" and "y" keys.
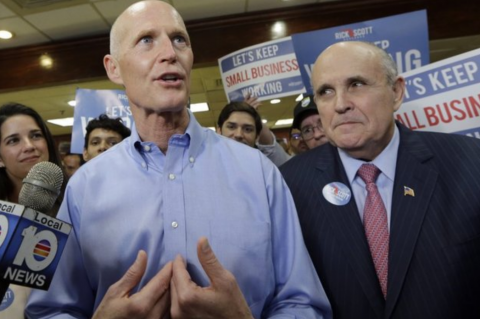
{"x": 81, "y": 60}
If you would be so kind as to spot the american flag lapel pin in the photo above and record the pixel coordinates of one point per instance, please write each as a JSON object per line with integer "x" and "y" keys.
{"x": 407, "y": 191}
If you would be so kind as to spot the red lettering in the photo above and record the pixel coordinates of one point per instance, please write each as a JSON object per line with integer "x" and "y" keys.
{"x": 430, "y": 115}
{"x": 455, "y": 108}
{"x": 475, "y": 104}
{"x": 254, "y": 73}
{"x": 416, "y": 120}
{"x": 448, "y": 118}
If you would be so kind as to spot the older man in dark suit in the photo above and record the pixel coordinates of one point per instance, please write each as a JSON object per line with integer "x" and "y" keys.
{"x": 391, "y": 217}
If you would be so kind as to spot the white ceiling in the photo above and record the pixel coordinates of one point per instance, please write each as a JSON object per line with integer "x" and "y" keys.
{"x": 45, "y": 21}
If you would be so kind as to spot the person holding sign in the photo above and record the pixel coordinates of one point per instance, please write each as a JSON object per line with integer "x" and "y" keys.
{"x": 241, "y": 122}
{"x": 176, "y": 221}
{"x": 393, "y": 219}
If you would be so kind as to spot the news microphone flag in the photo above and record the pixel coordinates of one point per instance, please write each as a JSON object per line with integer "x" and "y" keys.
{"x": 31, "y": 244}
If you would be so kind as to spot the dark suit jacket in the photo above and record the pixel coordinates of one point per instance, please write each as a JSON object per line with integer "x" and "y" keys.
{"x": 434, "y": 259}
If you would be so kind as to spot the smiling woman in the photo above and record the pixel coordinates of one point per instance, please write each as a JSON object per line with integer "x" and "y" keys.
{"x": 24, "y": 141}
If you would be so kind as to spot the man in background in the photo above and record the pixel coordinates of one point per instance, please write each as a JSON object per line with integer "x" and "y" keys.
{"x": 296, "y": 144}
{"x": 240, "y": 121}
{"x": 101, "y": 134}
{"x": 71, "y": 162}
{"x": 307, "y": 121}
{"x": 392, "y": 218}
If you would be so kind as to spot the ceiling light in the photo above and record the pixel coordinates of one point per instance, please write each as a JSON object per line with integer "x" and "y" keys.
{"x": 299, "y": 98}
{"x": 275, "y": 101}
{"x": 4, "y": 34}
{"x": 278, "y": 30}
{"x": 72, "y": 103}
{"x": 46, "y": 61}
{"x": 264, "y": 121}
{"x": 199, "y": 107}
{"x": 284, "y": 122}
{"x": 67, "y": 121}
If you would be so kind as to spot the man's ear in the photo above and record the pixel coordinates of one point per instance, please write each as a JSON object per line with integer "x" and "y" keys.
{"x": 85, "y": 155}
{"x": 113, "y": 70}
{"x": 219, "y": 130}
{"x": 398, "y": 92}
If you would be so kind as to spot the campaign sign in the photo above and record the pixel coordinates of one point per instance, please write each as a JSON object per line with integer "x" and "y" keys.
{"x": 34, "y": 250}
{"x": 92, "y": 103}
{"x": 268, "y": 70}
{"x": 444, "y": 96}
{"x": 403, "y": 36}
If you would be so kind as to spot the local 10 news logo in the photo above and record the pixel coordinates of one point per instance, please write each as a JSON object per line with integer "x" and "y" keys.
{"x": 31, "y": 244}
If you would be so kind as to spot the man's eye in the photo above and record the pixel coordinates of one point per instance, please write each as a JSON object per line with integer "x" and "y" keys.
{"x": 357, "y": 84}
{"x": 179, "y": 39}
{"x": 146, "y": 39}
{"x": 325, "y": 92}
{"x": 249, "y": 129}
{"x": 307, "y": 130}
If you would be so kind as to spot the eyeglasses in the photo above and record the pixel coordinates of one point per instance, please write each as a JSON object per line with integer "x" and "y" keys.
{"x": 296, "y": 136}
{"x": 309, "y": 131}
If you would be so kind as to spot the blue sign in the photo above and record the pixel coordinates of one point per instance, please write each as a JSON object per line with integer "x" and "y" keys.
{"x": 92, "y": 103}
{"x": 403, "y": 36}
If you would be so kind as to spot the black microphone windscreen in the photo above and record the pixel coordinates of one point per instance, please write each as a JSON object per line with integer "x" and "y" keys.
{"x": 41, "y": 187}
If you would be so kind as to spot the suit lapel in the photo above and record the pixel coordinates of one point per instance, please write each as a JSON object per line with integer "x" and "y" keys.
{"x": 408, "y": 211}
{"x": 347, "y": 227}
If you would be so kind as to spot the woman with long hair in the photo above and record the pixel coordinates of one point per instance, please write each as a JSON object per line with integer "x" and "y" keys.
{"x": 24, "y": 141}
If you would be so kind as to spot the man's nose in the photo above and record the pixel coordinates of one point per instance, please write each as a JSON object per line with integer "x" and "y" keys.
{"x": 343, "y": 102}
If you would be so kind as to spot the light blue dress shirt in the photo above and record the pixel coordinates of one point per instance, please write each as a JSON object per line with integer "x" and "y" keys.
{"x": 134, "y": 197}
{"x": 386, "y": 161}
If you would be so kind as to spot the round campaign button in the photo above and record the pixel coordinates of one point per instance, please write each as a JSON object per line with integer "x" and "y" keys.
{"x": 337, "y": 193}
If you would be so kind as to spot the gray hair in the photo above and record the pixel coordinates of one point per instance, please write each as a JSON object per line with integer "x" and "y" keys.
{"x": 389, "y": 66}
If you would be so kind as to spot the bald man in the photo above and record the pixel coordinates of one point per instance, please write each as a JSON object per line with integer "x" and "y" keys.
{"x": 392, "y": 221}
{"x": 176, "y": 221}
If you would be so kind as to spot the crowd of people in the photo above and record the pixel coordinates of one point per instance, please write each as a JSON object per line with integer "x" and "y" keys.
{"x": 359, "y": 217}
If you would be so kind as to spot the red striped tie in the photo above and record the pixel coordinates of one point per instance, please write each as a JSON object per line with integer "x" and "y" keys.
{"x": 376, "y": 224}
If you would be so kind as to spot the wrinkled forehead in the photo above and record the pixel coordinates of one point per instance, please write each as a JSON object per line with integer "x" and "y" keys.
{"x": 346, "y": 60}
{"x": 146, "y": 13}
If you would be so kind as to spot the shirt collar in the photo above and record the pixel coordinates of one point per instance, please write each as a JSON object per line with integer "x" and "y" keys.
{"x": 386, "y": 161}
{"x": 193, "y": 138}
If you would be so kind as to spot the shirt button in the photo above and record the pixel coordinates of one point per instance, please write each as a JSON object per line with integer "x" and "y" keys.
{"x": 191, "y": 159}
{"x": 146, "y": 148}
{"x": 174, "y": 224}
{"x": 144, "y": 165}
{"x": 171, "y": 176}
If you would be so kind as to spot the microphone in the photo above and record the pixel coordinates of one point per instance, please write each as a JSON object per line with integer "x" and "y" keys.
{"x": 41, "y": 187}
{"x": 31, "y": 242}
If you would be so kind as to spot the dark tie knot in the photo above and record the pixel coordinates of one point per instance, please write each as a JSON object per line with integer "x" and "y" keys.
{"x": 369, "y": 173}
